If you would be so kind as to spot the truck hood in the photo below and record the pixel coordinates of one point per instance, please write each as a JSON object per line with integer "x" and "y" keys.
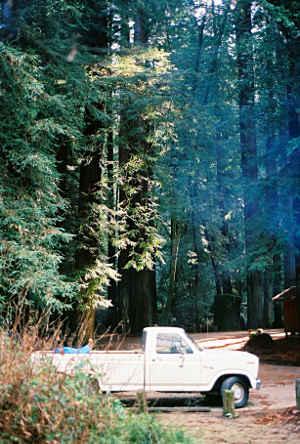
{"x": 229, "y": 355}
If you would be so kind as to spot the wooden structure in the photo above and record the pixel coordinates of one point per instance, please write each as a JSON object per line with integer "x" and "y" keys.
{"x": 289, "y": 297}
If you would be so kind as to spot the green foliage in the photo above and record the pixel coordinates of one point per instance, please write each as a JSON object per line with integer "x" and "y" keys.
{"x": 33, "y": 120}
{"x": 45, "y": 406}
{"x": 140, "y": 75}
{"x": 52, "y": 27}
{"x": 157, "y": 83}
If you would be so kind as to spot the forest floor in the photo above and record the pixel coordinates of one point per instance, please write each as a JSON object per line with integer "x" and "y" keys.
{"x": 270, "y": 415}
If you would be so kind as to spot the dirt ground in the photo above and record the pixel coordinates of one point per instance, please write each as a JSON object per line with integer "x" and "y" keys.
{"x": 270, "y": 415}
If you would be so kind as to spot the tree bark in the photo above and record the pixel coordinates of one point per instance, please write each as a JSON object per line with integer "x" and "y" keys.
{"x": 136, "y": 292}
{"x": 224, "y": 203}
{"x": 90, "y": 174}
{"x": 137, "y": 288}
{"x": 286, "y": 200}
{"x": 268, "y": 303}
{"x": 248, "y": 154}
{"x": 112, "y": 288}
{"x": 176, "y": 231}
{"x": 271, "y": 223}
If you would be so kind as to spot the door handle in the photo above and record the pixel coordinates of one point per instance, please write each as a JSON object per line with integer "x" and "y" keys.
{"x": 183, "y": 359}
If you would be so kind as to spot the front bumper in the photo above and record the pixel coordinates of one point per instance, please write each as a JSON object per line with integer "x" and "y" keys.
{"x": 258, "y": 384}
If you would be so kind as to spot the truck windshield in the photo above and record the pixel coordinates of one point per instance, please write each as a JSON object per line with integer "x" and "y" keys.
{"x": 195, "y": 343}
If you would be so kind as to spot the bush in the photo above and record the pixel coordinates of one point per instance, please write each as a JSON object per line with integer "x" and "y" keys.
{"x": 47, "y": 407}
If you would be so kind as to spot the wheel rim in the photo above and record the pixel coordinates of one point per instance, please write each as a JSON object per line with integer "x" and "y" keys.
{"x": 238, "y": 392}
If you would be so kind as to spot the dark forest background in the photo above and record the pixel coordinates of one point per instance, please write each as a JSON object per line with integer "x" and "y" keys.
{"x": 149, "y": 162}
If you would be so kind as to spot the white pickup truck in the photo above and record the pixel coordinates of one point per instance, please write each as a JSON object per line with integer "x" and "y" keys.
{"x": 169, "y": 361}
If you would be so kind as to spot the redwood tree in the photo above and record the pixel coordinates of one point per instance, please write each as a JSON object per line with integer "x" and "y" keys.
{"x": 244, "y": 47}
{"x": 136, "y": 288}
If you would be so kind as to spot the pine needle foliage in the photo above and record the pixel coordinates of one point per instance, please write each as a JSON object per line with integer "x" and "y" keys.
{"x": 33, "y": 118}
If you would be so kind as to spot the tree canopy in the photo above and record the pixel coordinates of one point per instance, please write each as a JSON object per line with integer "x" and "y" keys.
{"x": 149, "y": 159}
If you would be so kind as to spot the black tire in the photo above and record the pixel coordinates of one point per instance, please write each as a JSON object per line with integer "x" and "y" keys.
{"x": 240, "y": 390}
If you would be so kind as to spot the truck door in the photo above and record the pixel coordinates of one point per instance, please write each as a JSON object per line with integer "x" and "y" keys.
{"x": 174, "y": 365}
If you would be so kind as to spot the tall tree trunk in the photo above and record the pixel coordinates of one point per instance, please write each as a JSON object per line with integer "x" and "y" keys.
{"x": 224, "y": 203}
{"x": 277, "y": 305}
{"x": 112, "y": 288}
{"x": 176, "y": 231}
{"x": 268, "y": 284}
{"x": 248, "y": 154}
{"x": 88, "y": 253}
{"x": 271, "y": 201}
{"x": 137, "y": 288}
{"x": 198, "y": 312}
{"x": 287, "y": 194}
{"x": 294, "y": 132}
{"x": 96, "y": 38}
{"x": 214, "y": 265}
{"x": 271, "y": 226}
{"x": 218, "y": 31}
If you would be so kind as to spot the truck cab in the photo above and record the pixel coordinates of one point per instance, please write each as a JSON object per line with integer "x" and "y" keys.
{"x": 175, "y": 362}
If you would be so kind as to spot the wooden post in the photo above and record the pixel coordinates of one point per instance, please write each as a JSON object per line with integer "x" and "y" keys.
{"x": 228, "y": 403}
{"x": 297, "y": 381}
{"x": 142, "y": 405}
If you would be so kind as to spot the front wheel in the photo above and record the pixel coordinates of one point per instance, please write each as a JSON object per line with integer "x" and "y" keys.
{"x": 240, "y": 390}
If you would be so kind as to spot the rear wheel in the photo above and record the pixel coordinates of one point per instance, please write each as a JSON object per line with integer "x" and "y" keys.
{"x": 240, "y": 390}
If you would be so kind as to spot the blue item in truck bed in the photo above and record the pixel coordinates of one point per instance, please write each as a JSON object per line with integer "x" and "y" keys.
{"x": 70, "y": 350}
